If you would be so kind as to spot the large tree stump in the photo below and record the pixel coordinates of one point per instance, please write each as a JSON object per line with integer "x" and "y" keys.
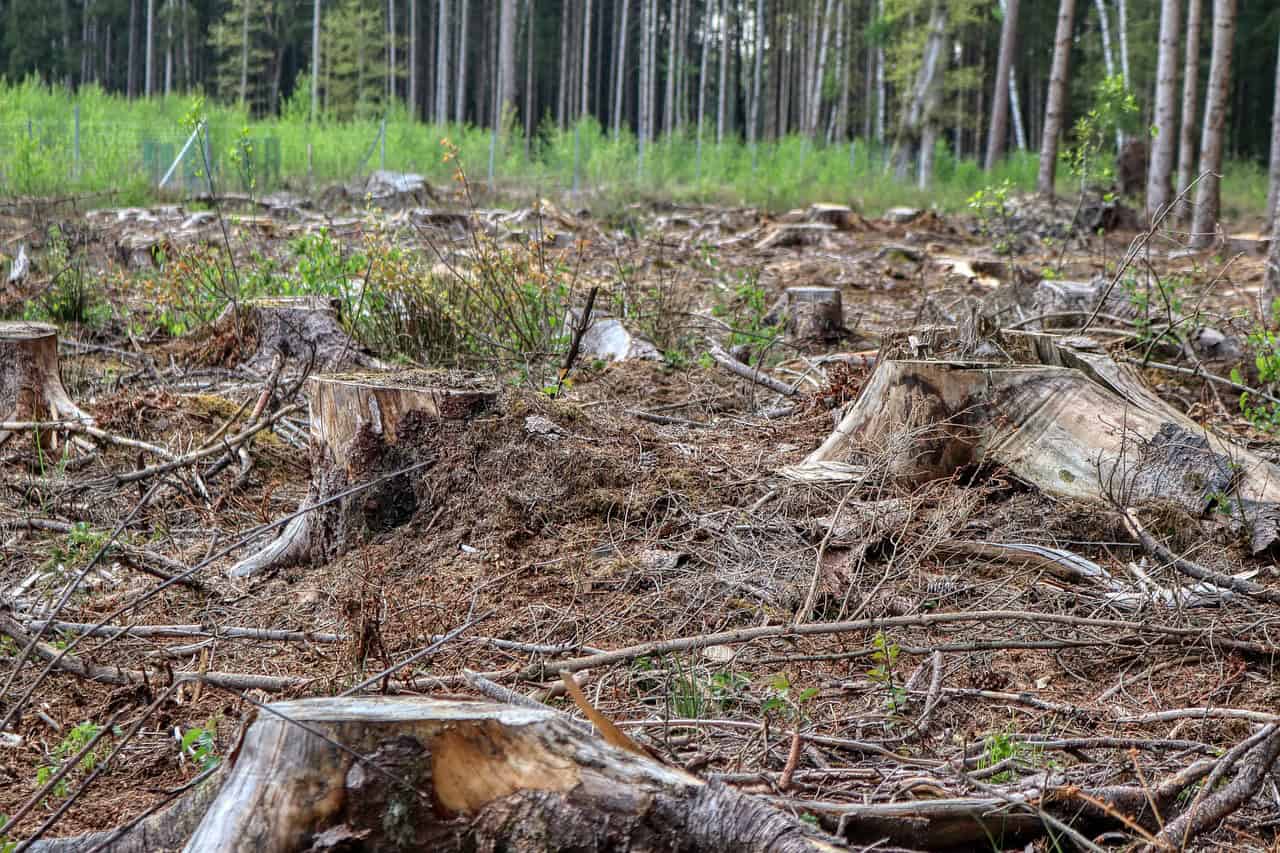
{"x": 1057, "y": 414}
{"x": 419, "y": 775}
{"x": 30, "y": 386}
{"x": 366, "y": 428}
{"x": 303, "y": 329}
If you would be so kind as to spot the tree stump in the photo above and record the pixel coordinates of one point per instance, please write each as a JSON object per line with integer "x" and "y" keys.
{"x": 419, "y": 775}
{"x": 305, "y": 329}
{"x": 30, "y": 386}
{"x": 814, "y": 313}
{"x": 366, "y": 428}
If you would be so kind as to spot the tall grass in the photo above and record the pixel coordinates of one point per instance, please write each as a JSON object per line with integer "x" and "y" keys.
{"x": 125, "y": 146}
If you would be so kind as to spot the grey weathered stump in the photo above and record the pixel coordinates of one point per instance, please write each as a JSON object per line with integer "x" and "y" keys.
{"x": 303, "y": 329}
{"x": 814, "y": 313}
{"x": 366, "y": 428}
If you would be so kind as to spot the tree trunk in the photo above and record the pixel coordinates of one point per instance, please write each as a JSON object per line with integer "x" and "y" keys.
{"x": 814, "y": 313}
{"x": 844, "y": 49}
{"x": 1271, "y": 280}
{"x": 620, "y": 66}
{"x": 669, "y": 100}
{"x": 30, "y": 385}
{"x": 315, "y": 58}
{"x": 362, "y": 429}
{"x": 151, "y": 20}
{"x": 422, "y": 774}
{"x": 722, "y": 90}
{"x": 507, "y": 56}
{"x": 1273, "y": 195}
{"x": 1160, "y": 170}
{"x": 442, "y": 62}
{"x": 132, "y": 82}
{"x": 391, "y": 52}
{"x": 1205, "y": 217}
{"x": 1190, "y": 102}
{"x": 530, "y": 108}
{"x": 702, "y": 73}
{"x": 305, "y": 330}
{"x": 244, "y": 51}
{"x": 820, "y": 69}
{"x": 999, "y": 132}
{"x": 460, "y": 96}
{"x": 585, "y": 108}
{"x": 168, "y": 49}
{"x": 1056, "y": 103}
{"x": 917, "y": 128}
{"x": 1122, "y": 25}
{"x": 413, "y": 58}
{"x": 882, "y": 95}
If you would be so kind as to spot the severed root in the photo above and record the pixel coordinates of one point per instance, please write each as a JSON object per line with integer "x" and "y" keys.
{"x": 30, "y": 386}
{"x": 289, "y": 549}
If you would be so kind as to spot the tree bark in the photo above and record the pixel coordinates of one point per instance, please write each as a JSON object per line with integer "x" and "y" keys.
{"x": 442, "y": 61}
{"x": 1273, "y": 194}
{"x": 151, "y": 20}
{"x": 1271, "y": 280}
{"x": 820, "y": 70}
{"x": 669, "y": 101}
{"x": 585, "y": 81}
{"x": 507, "y": 56}
{"x": 315, "y": 58}
{"x": 1208, "y": 192}
{"x": 413, "y": 58}
{"x": 1056, "y": 103}
{"x": 305, "y": 330}
{"x": 999, "y": 133}
{"x": 1190, "y": 102}
{"x": 722, "y": 90}
{"x": 132, "y": 81}
{"x": 620, "y": 65}
{"x": 362, "y": 429}
{"x": 30, "y": 386}
{"x": 418, "y": 775}
{"x": 1160, "y": 170}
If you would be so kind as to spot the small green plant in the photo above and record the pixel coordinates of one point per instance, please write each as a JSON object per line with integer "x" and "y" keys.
{"x": 199, "y": 745}
{"x": 884, "y": 673}
{"x": 6, "y": 844}
{"x": 1262, "y": 413}
{"x": 76, "y": 739}
{"x": 991, "y": 207}
{"x": 996, "y": 748}
{"x": 729, "y": 689}
{"x": 1159, "y": 302}
{"x": 1114, "y": 109}
{"x": 80, "y": 544}
{"x": 782, "y": 698}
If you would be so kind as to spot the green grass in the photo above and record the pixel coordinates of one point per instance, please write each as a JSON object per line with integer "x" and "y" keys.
{"x": 125, "y": 146}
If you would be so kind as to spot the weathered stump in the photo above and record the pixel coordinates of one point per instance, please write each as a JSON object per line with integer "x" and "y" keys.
{"x": 30, "y": 386}
{"x": 303, "y": 329}
{"x": 418, "y": 774}
{"x": 367, "y": 428}
{"x": 814, "y": 313}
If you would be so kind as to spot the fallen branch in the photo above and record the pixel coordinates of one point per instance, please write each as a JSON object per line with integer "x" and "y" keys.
{"x": 748, "y": 372}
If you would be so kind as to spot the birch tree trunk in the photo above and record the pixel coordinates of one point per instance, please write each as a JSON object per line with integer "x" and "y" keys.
{"x": 132, "y": 82}
{"x": 1056, "y": 103}
{"x": 1190, "y": 101}
{"x": 507, "y": 56}
{"x": 642, "y": 99}
{"x": 757, "y": 72}
{"x": 442, "y": 62}
{"x": 1273, "y": 195}
{"x": 586, "y": 59}
{"x": 1160, "y": 168}
{"x": 1123, "y": 26}
{"x": 668, "y": 104}
{"x": 722, "y": 103}
{"x": 1108, "y": 55}
{"x": 840, "y": 126}
{"x": 881, "y": 93}
{"x": 620, "y": 64}
{"x": 562, "y": 88}
{"x": 168, "y": 48}
{"x": 1271, "y": 279}
{"x": 413, "y": 58}
{"x": 244, "y": 51}
{"x": 820, "y": 70}
{"x": 391, "y": 51}
{"x": 460, "y": 94}
{"x": 702, "y": 76}
{"x": 936, "y": 55}
{"x": 315, "y": 57}
{"x": 1208, "y": 191}
{"x": 999, "y": 133}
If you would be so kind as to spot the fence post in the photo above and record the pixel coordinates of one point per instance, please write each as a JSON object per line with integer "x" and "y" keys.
{"x": 75, "y": 147}
{"x": 311, "y": 174}
{"x": 576, "y": 132}
{"x": 382, "y": 154}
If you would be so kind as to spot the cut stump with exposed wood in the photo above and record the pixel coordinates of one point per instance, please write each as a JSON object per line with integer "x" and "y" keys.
{"x": 305, "y": 330}
{"x": 1059, "y": 414}
{"x": 813, "y": 313}
{"x": 419, "y": 775}
{"x": 366, "y": 428}
{"x": 31, "y": 386}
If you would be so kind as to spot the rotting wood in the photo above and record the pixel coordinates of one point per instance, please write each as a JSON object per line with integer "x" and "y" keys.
{"x": 811, "y": 313}
{"x": 306, "y": 330}
{"x": 362, "y": 427}
{"x": 418, "y": 774}
{"x": 31, "y": 388}
{"x": 1057, "y": 414}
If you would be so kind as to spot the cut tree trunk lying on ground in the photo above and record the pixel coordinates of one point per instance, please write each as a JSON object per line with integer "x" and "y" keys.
{"x": 30, "y": 386}
{"x": 1057, "y": 413}
{"x": 304, "y": 329}
{"x": 366, "y": 427}
{"x": 418, "y": 774}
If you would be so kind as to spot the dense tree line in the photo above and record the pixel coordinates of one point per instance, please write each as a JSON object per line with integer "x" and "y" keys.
{"x": 983, "y": 74}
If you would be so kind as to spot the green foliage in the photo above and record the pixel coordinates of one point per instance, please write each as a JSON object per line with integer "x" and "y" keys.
{"x": 785, "y": 699}
{"x": 884, "y": 673}
{"x": 200, "y": 746}
{"x": 991, "y": 207}
{"x": 1159, "y": 302}
{"x": 1262, "y": 413}
{"x": 6, "y": 845}
{"x": 79, "y": 545}
{"x": 1114, "y": 109}
{"x": 76, "y": 739}
{"x": 744, "y": 308}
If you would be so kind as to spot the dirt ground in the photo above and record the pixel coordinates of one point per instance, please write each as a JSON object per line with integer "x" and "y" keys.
{"x": 647, "y": 501}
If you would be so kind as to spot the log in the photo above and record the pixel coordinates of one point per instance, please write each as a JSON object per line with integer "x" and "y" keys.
{"x": 304, "y": 329}
{"x": 814, "y": 313}
{"x": 30, "y": 385}
{"x": 364, "y": 427}
{"x": 1056, "y": 413}
{"x": 417, "y": 774}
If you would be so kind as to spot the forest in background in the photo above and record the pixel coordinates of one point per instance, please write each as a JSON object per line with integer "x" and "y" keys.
{"x": 915, "y": 80}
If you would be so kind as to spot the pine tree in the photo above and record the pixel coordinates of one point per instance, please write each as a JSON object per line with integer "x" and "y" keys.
{"x": 354, "y": 50}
